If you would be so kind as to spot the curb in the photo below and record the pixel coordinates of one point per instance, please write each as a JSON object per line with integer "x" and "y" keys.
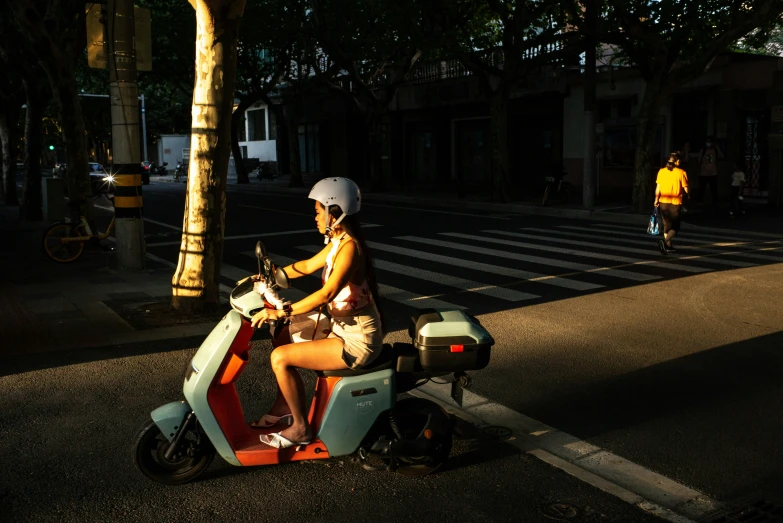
{"x": 645, "y": 489}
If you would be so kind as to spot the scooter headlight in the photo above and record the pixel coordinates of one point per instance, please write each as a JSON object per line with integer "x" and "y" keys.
{"x": 109, "y": 179}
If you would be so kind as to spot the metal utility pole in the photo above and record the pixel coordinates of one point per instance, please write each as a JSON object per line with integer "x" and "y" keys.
{"x": 144, "y": 127}
{"x": 588, "y": 177}
{"x": 126, "y": 167}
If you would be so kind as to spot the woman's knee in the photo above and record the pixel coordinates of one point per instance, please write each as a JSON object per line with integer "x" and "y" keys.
{"x": 278, "y": 360}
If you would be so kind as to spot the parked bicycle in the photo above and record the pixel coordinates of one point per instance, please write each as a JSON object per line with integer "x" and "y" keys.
{"x": 556, "y": 188}
{"x": 64, "y": 242}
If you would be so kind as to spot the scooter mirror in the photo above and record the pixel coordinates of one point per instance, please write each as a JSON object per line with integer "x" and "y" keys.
{"x": 260, "y": 250}
{"x": 281, "y": 278}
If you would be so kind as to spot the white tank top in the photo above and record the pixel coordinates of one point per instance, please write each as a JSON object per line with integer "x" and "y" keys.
{"x": 352, "y": 297}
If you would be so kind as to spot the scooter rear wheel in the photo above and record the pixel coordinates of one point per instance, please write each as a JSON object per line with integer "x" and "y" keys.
{"x": 191, "y": 461}
{"x": 416, "y": 418}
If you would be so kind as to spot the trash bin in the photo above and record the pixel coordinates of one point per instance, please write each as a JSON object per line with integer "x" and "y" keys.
{"x": 53, "y": 199}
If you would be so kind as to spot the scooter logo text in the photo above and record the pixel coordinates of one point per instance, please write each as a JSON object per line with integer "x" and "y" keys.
{"x": 364, "y": 407}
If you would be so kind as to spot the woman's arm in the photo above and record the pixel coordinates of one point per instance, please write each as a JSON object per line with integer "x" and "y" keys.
{"x": 305, "y": 267}
{"x": 344, "y": 267}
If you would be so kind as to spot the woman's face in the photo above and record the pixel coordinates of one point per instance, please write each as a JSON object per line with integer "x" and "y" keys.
{"x": 320, "y": 217}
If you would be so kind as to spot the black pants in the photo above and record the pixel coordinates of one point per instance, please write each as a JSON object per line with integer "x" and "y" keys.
{"x": 670, "y": 212}
{"x": 712, "y": 181}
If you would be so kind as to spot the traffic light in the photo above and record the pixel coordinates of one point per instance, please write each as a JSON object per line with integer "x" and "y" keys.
{"x": 51, "y": 147}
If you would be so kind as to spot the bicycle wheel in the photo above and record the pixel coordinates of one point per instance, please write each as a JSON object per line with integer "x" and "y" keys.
{"x": 56, "y": 248}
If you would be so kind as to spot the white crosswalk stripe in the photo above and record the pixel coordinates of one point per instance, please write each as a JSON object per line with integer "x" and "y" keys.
{"x": 551, "y": 262}
{"x": 651, "y": 250}
{"x": 488, "y": 268}
{"x": 445, "y": 279}
{"x": 706, "y": 236}
{"x": 387, "y": 291}
{"x": 584, "y": 254}
{"x": 744, "y": 253}
{"x": 626, "y": 256}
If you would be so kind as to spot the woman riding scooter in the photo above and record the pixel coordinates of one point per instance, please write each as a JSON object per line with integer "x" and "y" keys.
{"x": 355, "y": 336}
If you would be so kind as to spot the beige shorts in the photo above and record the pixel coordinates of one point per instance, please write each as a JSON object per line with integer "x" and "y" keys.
{"x": 361, "y": 333}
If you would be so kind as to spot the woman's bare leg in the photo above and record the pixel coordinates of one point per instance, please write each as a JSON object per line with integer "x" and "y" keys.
{"x": 280, "y": 407}
{"x": 326, "y": 354}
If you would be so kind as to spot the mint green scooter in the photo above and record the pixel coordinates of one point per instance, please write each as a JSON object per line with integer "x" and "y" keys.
{"x": 353, "y": 411}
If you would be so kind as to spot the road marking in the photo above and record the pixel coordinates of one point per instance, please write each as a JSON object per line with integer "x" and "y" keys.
{"x": 444, "y": 279}
{"x": 387, "y": 291}
{"x": 628, "y": 481}
{"x": 648, "y": 243}
{"x": 551, "y": 262}
{"x": 658, "y": 263}
{"x": 584, "y": 254}
{"x": 488, "y": 268}
{"x": 719, "y": 237}
{"x": 436, "y": 211}
{"x": 250, "y": 236}
{"x": 748, "y": 252}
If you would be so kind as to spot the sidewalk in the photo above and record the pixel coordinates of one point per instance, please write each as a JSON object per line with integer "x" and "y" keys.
{"x": 49, "y": 306}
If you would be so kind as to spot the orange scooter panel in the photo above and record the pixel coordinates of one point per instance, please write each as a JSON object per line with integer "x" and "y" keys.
{"x": 250, "y": 451}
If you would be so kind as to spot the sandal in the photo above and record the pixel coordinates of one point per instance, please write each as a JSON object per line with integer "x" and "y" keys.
{"x": 278, "y": 441}
{"x": 268, "y": 420}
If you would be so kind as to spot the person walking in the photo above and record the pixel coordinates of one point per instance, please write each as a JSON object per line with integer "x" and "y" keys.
{"x": 671, "y": 184}
{"x": 708, "y": 170}
{"x": 737, "y": 183}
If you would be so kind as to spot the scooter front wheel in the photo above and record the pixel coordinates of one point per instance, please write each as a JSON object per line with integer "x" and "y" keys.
{"x": 192, "y": 459}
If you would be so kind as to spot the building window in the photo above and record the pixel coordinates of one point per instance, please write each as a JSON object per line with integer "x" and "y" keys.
{"x": 256, "y": 125}
{"x": 243, "y": 150}
{"x": 310, "y": 148}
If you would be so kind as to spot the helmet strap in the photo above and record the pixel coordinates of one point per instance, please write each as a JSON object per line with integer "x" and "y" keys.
{"x": 330, "y": 229}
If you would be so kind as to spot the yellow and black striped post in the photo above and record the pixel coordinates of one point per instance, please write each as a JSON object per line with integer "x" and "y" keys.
{"x": 128, "y": 201}
{"x": 127, "y": 168}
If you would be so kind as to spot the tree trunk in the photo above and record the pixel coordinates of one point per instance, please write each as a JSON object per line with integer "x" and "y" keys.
{"x": 375, "y": 147}
{"x": 236, "y": 121}
{"x": 77, "y": 176}
{"x": 195, "y": 284}
{"x": 645, "y": 163}
{"x": 32, "y": 201}
{"x": 498, "y": 107}
{"x": 56, "y": 48}
{"x": 294, "y": 160}
{"x": 9, "y": 137}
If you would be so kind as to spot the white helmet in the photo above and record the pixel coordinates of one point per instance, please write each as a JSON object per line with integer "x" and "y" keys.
{"x": 341, "y": 192}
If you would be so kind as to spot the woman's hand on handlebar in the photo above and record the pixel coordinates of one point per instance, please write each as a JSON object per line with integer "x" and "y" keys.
{"x": 265, "y": 316}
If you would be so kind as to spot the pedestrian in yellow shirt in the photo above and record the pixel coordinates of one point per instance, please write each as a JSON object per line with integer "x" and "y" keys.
{"x": 671, "y": 184}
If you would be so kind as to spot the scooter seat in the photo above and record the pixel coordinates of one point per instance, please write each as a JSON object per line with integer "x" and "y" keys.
{"x": 387, "y": 359}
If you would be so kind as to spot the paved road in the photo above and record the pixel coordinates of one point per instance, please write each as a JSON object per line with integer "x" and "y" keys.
{"x": 667, "y": 361}
{"x": 65, "y": 451}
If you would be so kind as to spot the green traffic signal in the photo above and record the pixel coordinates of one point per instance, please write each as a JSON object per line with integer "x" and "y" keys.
{"x": 51, "y": 147}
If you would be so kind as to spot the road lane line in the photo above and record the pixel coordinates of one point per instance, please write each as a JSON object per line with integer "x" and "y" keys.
{"x": 545, "y": 279}
{"x": 608, "y": 246}
{"x": 435, "y": 211}
{"x": 551, "y": 262}
{"x": 748, "y": 251}
{"x": 445, "y": 279}
{"x": 710, "y": 257}
{"x": 252, "y": 236}
{"x": 714, "y": 237}
{"x": 628, "y": 481}
{"x": 704, "y": 230}
{"x": 584, "y": 254}
{"x": 387, "y": 291}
